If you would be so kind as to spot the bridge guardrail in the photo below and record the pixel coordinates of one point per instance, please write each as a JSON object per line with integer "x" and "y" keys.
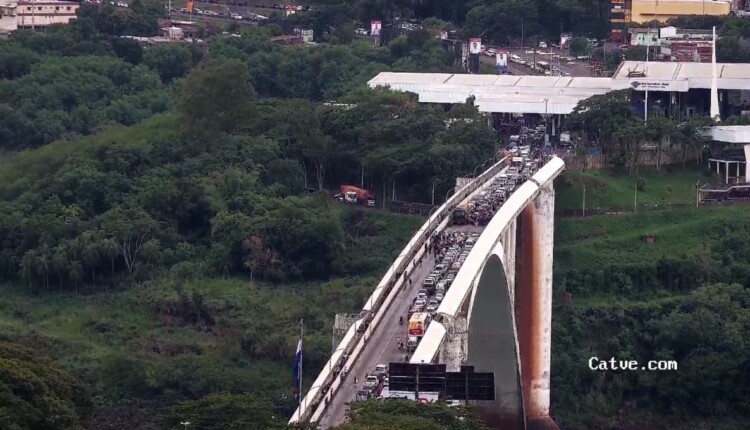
{"x": 373, "y": 310}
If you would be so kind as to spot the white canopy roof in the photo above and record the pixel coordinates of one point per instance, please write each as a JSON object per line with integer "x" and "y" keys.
{"x": 559, "y": 95}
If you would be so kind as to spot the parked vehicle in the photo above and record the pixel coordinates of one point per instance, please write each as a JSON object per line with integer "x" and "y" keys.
{"x": 355, "y": 195}
{"x": 418, "y": 324}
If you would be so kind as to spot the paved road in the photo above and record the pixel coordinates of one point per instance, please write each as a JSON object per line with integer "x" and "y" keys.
{"x": 382, "y": 348}
{"x": 576, "y": 68}
{"x": 515, "y": 69}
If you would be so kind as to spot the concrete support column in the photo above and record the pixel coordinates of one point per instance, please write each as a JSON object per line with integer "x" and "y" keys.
{"x": 533, "y": 307}
{"x": 554, "y": 120}
{"x": 454, "y": 350}
{"x": 510, "y": 259}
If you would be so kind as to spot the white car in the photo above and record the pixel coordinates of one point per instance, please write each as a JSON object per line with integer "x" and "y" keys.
{"x": 439, "y": 297}
{"x": 380, "y": 369}
{"x": 371, "y": 382}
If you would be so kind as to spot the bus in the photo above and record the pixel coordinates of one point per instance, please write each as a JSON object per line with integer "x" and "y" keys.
{"x": 543, "y": 66}
{"x": 418, "y": 323}
{"x": 459, "y": 214}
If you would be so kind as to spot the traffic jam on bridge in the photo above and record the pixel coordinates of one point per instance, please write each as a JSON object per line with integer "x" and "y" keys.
{"x": 447, "y": 251}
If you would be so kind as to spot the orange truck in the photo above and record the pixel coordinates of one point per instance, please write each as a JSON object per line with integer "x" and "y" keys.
{"x": 355, "y": 195}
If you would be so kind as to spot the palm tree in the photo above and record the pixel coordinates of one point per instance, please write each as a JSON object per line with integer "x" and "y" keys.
{"x": 91, "y": 253}
{"x": 44, "y": 262}
{"x": 112, "y": 251}
{"x": 28, "y": 265}
{"x": 60, "y": 262}
{"x": 75, "y": 273}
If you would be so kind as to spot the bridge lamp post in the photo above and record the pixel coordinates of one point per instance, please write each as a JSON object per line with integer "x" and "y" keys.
{"x": 475, "y": 170}
{"x": 449, "y": 191}
{"x": 185, "y": 423}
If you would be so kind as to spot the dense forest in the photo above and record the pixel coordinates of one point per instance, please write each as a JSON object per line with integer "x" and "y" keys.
{"x": 683, "y": 298}
{"x": 154, "y": 211}
{"x": 166, "y": 220}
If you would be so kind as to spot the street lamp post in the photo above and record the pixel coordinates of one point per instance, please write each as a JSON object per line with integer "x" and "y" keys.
{"x": 522, "y": 39}
{"x": 185, "y": 423}
{"x": 635, "y": 199}
{"x": 449, "y": 191}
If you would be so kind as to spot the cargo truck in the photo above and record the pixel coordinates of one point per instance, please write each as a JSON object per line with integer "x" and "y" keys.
{"x": 356, "y": 196}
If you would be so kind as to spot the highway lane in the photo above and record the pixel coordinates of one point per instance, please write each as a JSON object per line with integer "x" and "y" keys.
{"x": 382, "y": 347}
{"x": 575, "y": 68}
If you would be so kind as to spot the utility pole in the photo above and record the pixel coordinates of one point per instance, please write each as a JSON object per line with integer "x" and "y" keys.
{"x": 362, "y": 180}
{"x": 522, "y": 40}
{"x": 697, "y": 193}
{"x": 645, "y": 96}
{"x": 584, "y": 200}
{"x": 635, "y": 199}
{"x": 559, "y": 53}
{"x": 33, "y": 14}
{"x": 433, "y": 193}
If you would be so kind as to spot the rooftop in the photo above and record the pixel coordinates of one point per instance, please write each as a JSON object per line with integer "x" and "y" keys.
{"x": 497, "y": 93}
{"x": 557, "y": 94}
{"x": 730, "y": 76}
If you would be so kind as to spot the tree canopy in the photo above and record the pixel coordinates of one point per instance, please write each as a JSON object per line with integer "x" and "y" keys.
{"x": 34, "y": 394}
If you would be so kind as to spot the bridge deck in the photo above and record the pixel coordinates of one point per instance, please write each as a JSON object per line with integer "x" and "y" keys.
{"x": 382, "y": 347}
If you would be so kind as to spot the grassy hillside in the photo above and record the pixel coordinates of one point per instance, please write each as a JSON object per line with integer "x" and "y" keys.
{"x": 683, "y": 298}
{"x": 600, "y": 241}
{"x": 172, "y": 339}
{"x": 607, "y": 189}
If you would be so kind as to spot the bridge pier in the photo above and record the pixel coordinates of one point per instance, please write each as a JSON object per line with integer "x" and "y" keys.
{"x": 533, "y": 307}
{"x": 454, "y": 351}
{"x": 509, "y": 246}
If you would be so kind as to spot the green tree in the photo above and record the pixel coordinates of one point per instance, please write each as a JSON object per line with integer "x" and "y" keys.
{"x": 224, "y": 411}
{"x": 403, "y": 414}
{"x": 171, "y": 62}
{"x": 216, "y": 98}
{"x": 578, "y": 46}
{"x": 34, "y": 394}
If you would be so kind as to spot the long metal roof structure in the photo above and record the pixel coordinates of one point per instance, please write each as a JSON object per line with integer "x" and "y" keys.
{"x": 559, "y": 95}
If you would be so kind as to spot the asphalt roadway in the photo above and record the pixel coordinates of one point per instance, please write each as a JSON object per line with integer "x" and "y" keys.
{"x": 574, "y": 68}
{"x": 382, "y": 347}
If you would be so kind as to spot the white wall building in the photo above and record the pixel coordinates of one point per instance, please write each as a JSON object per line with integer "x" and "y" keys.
{"x": 33, "y": 14}
{"x": 8, "y": 19}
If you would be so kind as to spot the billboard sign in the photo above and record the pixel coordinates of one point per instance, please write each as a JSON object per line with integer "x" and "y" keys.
{"x": 659, "y": 85}
{"x": 425, "y": 397}
{"x": 375, "y": 27}
{"x": 290, "y": 11}
{"x": 475, "y": 46}
{"x": 443, "y": 35}
{"x": 565, "y": 38}
{"x": 501, "y": 59}
{"x": 190, "y": 6}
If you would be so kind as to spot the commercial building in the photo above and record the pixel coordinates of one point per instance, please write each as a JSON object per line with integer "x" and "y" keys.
{"x": 619, "y": 18}
{"x": 664, "y": 10}
{"x": 35, "y": 14}
{"x": 624, "y": 12}
{"x": 8, "y": 16}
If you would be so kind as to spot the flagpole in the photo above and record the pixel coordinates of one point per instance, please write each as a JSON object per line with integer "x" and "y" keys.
{"x": 299, "y": 398}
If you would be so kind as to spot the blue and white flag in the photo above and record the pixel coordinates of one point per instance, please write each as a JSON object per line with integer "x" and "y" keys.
{"x": 297, "y": 371}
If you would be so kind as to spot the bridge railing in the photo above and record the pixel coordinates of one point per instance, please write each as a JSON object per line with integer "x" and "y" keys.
{"x": 462, "y": 286}
{"x": 330, "y": 378}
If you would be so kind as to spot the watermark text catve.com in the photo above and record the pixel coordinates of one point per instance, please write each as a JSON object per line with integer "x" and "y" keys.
{"x": 614, "y": 364}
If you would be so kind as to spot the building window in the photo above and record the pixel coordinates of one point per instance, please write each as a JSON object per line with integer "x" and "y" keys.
{"x": 39, "y": 8}
{"x": 67, "y": 8}
{"x": 57, "y": 7}
{"x": 28, "y": 8}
